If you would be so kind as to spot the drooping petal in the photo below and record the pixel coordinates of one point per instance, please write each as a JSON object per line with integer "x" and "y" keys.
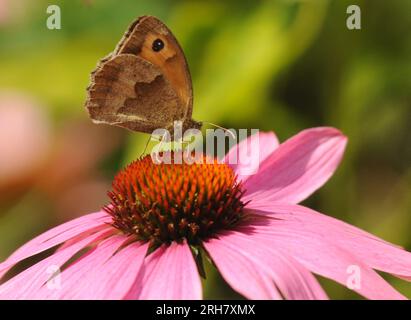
{"x": 28, "y": 283}
{"x": 169, "y": 273}
{"x": 256, "y": 270}
{"x": 107, "y": 272}
{"x": 298, "y": 167}
{"x": 320, "y": 254}
{"x": 373, "y": 251}
{"x": 246, "y": 157}
{"x": 241, "y": 273}
{"x": 86, "y": 224}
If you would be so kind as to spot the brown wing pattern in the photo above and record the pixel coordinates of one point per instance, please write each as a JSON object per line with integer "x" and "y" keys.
{"x": 130, "y": 92}
{"x": 139, "y": 88}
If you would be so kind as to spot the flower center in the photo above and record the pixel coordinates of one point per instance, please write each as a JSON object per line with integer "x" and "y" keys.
{"x": 161, "y": 203}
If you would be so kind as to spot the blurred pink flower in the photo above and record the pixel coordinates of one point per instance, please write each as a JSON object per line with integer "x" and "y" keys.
{"x": 78, "y": 186}
{"x": 263, "y": 243}
{"x": 25, "y": 138}
{"x": 4, "y": 13}
{"x": 12, "y": 12}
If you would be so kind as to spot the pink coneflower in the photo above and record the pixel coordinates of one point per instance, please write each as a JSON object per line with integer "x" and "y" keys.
{"x": 145, "y": 244}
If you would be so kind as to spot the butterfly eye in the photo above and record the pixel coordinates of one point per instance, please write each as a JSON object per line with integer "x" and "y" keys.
{"x": 157, "y": 45}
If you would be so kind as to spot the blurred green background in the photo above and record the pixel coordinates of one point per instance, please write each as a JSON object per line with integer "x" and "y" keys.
{"x": 272, "y": 65}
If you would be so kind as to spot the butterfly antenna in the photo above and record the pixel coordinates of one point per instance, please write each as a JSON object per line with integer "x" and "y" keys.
{"x": 225, "y": 129}
{"x": 145, "y": 148}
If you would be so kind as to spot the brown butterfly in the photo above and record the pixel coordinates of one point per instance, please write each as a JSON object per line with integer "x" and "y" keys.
{"x": 145, "y": 83}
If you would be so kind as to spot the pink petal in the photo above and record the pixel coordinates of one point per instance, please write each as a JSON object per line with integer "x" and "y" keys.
{"x": 27, "y": 284}
{"x": 107, "y": 272}
{"x": 298, "y": 167}
{"x": 373, "y": 251}
{"x": 241, "y": 273}
{"x": 169, "y": 273}
{"x": 85, "y": 224}
{"x": 243, "y": 159}
{"x": 256, "y": 270}
{"x": 320, "y": 254}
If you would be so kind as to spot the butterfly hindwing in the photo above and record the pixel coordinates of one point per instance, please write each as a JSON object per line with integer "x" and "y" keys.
{"x": 130, "y": 92}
